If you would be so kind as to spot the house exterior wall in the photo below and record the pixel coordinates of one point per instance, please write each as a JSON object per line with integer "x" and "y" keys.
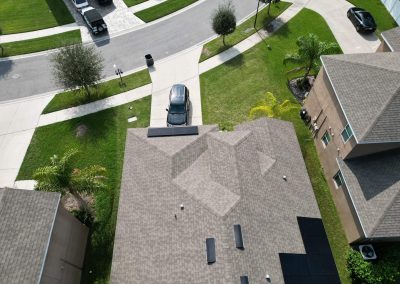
{"x": 66, "y": 252}
{"x": 383, "y": 47}
{"x": 323, "y": 106}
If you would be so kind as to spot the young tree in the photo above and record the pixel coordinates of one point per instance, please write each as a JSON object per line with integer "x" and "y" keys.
{"x": 77, "y": 66}
{"x": 224, "y": 20}
{"x": 309, "y": 51}
{"x": 271, "y": 107}
{"x": 61, "y": 176}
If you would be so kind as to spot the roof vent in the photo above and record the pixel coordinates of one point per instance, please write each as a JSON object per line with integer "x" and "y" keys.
{"x": 210, "y": 244}
{"x": 238, "y": 236}
{"x": 284, "y": 178}
{"x": 244, "y": 279}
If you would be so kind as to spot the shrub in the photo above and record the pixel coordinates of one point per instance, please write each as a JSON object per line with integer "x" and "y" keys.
{"x": 383, "y": 271}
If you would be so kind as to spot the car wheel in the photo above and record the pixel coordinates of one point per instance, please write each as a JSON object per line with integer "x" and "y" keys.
{"x": 358, "y": 29}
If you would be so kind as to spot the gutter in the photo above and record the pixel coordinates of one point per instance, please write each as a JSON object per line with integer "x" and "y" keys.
{"x": 352, "y": 200}
{"x": 341, "y": 106}
{"x": 387, "y": 43}
{"x": 48, "y": 241}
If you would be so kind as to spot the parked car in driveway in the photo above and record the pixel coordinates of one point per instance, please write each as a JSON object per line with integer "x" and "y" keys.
{"x": 104, "y": 2}
{"x": 80, "y": 4}
{"x": 179, "y": 106}
{"x": 94, "y": 20}
{"x": 361, "y": 19}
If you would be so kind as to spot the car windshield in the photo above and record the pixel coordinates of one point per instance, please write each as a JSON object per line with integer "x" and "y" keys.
{"x": 176, "y": 109}
{"x": 80, "y": 1}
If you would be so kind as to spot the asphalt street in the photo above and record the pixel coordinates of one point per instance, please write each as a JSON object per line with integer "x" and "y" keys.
{"x": 30, "y": 76}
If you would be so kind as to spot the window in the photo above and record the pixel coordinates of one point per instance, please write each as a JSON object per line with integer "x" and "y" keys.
{"x": 347, "y": 133}
{"x": 338, "y": 179}
{"x": 326, "y": 138}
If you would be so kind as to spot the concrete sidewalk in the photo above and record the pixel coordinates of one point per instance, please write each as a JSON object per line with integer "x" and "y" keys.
{"x": 17, "y": 125}
{"x": 145, "y": 5}
{"x": 38, "y": 33}
{"x": 181, "y": 69}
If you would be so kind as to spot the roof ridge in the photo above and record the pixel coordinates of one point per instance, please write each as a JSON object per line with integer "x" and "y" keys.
{"x": 389, "y": 206}
{"x": 385, "y": 106}
{"x": 338, "y": 57}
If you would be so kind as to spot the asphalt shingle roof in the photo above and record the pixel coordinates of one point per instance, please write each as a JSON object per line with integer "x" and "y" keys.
{"x": 368, "y": 89}
{"x": 374, "y": 185}
{"x": 26, "y": 219}
{"x": 392, "y": 38}
{"x": 222, "y": 179}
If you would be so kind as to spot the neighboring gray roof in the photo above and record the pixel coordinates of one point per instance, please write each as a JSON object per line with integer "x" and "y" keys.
{"x": 368, "y": 89}
{"x": 392, "y": 38}
{"x": 26, "y": 220}
{"x": 374, "y": 186}
{"x": 222, "y": 179}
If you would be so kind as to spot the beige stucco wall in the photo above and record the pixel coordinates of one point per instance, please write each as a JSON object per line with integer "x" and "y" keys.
{"x": 383, "y": 47}
{"x": 323, "y": 105}
{"x": 66, "y": 251}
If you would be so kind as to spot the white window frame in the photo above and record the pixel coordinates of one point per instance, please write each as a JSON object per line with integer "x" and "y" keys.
{"x": 326, "y": 134}
{"x": 346, "y": 129}
{"x": 340, "y": 176}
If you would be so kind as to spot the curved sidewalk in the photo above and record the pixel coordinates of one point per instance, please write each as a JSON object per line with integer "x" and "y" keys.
{"x": 38, "y": 33}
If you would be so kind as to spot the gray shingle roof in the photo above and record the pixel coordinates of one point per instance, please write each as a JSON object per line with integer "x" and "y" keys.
{"x": 222, "y": 179}
{"x": 392, "y": 38}
{"x": 374, "y": 185}
{"x": 368, "y": 89}
{"x": 26, "y": 219}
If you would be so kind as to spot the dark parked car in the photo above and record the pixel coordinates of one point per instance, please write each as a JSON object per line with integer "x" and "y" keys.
{"x": 179, "y": 106}
{"x": 361, "y": 19}
{"x": 94, "y": 20}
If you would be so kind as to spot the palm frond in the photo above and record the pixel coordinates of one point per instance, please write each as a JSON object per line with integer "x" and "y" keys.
{"x": 293, "y": 59}
{"x": 261, "y": 111}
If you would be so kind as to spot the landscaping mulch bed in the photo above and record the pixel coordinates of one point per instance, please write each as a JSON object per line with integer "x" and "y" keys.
{"x": 299, "y": 93}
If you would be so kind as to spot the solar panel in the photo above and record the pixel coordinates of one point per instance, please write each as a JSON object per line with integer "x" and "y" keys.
{"x": 244, "y": 279}
{"x": 238, "y": 236}
{"x": 172, "y": 131}
{"x": 210, "y": 244}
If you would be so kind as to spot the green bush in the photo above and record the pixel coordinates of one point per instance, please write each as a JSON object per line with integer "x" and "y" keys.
{"x": 383, "y": 271}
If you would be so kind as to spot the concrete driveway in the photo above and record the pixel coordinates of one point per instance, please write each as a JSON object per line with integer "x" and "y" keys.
{"x": 335, "y": 14}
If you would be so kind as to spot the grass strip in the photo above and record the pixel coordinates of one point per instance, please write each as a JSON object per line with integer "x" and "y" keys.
{"x": 163, "y": 9}
{"x": 230, "y": 90}
{"x": 131, "y": 3}
{"x": 40, "y": 44}
{"x": 104, "y": 90}
{"x": 243, "y": 30}
{"x": 103, "y": 144}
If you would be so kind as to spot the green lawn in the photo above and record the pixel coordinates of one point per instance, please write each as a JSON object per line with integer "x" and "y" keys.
{"x": 243, "y": 31}
{"x": 131, "y": 3}
{"x": 383, "y": 19}
{"x": 103, "y": 145}
{"x": 107, "y": 89}
{"x": 40, "y": 44}
{"x": 17, "y": 16}
{"x": 232, "y": 89}
{"x": 163, "y": 9}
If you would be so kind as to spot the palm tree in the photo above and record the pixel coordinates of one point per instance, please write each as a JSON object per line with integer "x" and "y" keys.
{"x": 310, "y": 50}
{"x": 61, "y": 176}
{"x": 271, "y": 107}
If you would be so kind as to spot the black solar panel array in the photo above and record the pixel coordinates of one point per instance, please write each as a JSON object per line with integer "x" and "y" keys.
{"x": 244, "y": 279}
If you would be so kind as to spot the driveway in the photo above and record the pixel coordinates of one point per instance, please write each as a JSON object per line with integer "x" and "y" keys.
{"x": 334, "y": 13}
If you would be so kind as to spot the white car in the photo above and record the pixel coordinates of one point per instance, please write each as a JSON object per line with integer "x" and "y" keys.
{"x": 80, "y": 4}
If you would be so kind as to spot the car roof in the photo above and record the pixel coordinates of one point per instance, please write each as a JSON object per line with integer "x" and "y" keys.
{"x": 92, "y": 14}
{"x": 177, "y": 94}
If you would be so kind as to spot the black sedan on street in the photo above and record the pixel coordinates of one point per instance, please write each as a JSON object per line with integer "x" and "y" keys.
{"x": 362, "y": 20}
